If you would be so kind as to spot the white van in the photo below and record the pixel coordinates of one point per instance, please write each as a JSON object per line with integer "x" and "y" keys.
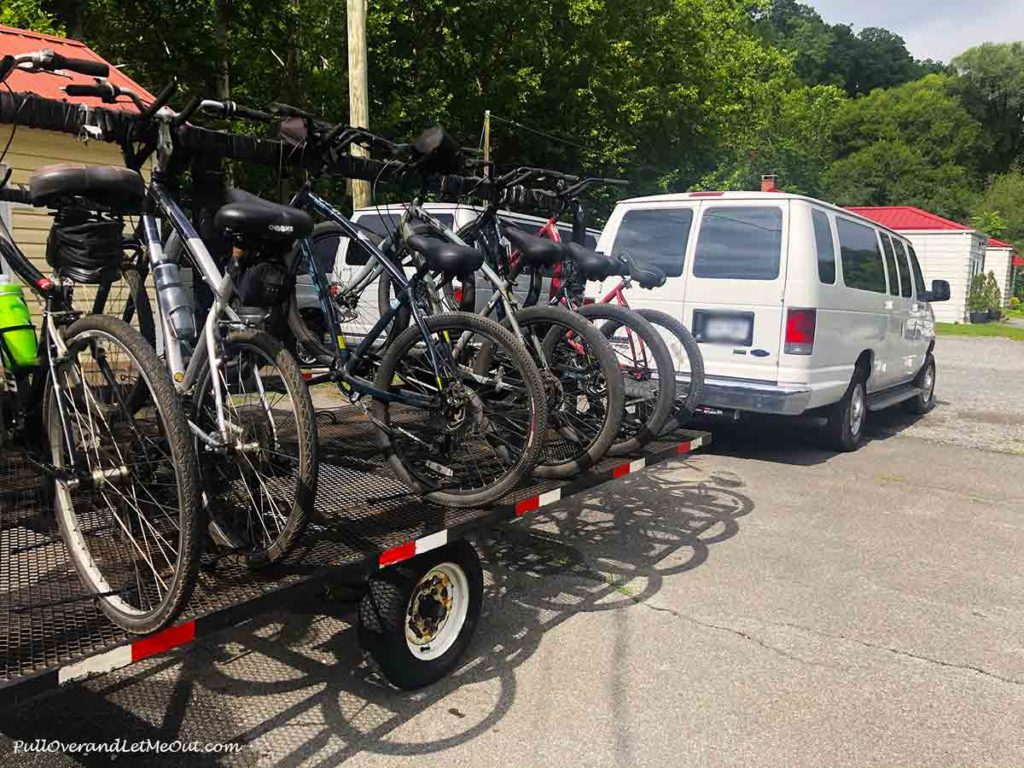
{"x": 798, "y": 306}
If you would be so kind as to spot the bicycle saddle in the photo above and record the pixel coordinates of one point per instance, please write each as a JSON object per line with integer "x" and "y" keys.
{"x": 647, "y": 277}
{"x": 109, "y": 187}
{"x": 446, "y": 257}
{"x": 592, "y": 265}
{"x": 253, "y": 217}
{"x": 533, "y": 250}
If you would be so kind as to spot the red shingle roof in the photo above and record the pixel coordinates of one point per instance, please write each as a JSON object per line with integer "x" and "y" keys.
{"x": 993, "y": 243}
{"x": 906, "y": 217}
{"x": 48, "y": 86}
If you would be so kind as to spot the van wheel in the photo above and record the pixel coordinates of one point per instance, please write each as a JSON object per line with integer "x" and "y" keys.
{"x": 846, "y": 418}
{"x": 924, "y": 401}
{"x": 418, "y": 617}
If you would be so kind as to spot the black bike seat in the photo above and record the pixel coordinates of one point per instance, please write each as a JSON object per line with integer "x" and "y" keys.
{"x": 445, "y": 257}
{"x": 253, "y": 217}
{"x": 119, "y": 189}
{"x": 535, "y": 251}
{"x": 647, "y": 277}
{"x": 592, "y": 265}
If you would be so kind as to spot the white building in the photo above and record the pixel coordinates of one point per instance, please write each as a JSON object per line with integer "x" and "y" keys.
{"x": 947, "y": 251}
{"x": 999, "y": 260}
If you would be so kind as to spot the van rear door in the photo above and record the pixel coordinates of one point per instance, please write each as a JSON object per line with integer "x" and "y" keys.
{"x": 734, "y": 292}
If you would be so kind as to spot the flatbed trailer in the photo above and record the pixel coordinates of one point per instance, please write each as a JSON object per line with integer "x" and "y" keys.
{"x": 52, "y": 633}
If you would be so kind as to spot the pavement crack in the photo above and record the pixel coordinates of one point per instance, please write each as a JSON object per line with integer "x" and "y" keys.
{"x": 900, "y": 652}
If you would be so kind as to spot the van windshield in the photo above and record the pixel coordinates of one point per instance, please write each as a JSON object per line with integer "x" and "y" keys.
{"x": 739, "y": 243}
{"x": 655, "y": 237}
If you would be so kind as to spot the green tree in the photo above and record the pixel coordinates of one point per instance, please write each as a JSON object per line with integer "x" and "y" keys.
{"x": 992, "y": 87}
{"x": 29, "y": 14}
{"x": 914, "y": 144}
{"x": 1004, "y": 196}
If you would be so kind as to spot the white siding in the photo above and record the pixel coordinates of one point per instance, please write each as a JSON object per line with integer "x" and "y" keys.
{"x": 949, "y": 256}
{"x": 1000, "y": 261}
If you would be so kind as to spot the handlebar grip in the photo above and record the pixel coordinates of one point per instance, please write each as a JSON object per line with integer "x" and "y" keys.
{"x": 190, "y": 109}
{"x": 161, "y": 100}
{"x": 251, "y": 114}
{"x": 16, "y": 193}
{"x": 287, "y": 110}
{"x": 99, "y": 90}
{"x": 82, "y": 66}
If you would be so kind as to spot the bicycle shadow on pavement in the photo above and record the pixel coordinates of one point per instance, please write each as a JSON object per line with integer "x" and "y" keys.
{"x": 294, "y": 688}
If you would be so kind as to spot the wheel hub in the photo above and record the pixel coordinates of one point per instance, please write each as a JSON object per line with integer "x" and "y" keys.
{"x": 429, "y": 607}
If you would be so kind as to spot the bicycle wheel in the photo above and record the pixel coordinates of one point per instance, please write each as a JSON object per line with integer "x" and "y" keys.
{"x": 477, "y": 433}
{"x": 126, "y": 489}
{"x": 583, "y": 385}
{"x": 687, "y": 361}
{"x": 260, "y": 490}
{"x": 356, "y": 311}
{"x": 647, "y": 372}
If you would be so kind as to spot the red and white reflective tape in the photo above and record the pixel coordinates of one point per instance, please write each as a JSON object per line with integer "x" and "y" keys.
{"x": 172, "y": 637}
{"x": 536, "y": 502}
{"x": 413, "y": 548}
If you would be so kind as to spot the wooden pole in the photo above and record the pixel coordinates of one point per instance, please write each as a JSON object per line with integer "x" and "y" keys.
{"x": 487, "y": 135}
{"x": 358, "y": 90}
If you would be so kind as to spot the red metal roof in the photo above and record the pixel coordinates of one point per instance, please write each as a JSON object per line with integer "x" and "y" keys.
{"x": 47, "y": 85}
{"x": 993, "y": 243}
{"x": 1018, "y": 260}
{"x": 906, "y": 217}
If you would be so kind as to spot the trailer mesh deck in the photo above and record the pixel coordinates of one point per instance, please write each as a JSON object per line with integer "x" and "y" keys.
{"x": 365, "y": 520}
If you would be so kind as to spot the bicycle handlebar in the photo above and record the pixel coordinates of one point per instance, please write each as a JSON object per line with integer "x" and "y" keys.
{"x": 15, "y": 193}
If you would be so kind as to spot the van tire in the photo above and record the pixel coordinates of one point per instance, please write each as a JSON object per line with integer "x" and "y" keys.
{"x": 924, "y": 401}
{"x": 846, "y": 418}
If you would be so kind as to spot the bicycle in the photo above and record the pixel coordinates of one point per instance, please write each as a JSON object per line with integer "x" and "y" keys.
{"x": 97, "y": 401}
{"x": 458, "y": 431}
{"x": 250, "y": 412}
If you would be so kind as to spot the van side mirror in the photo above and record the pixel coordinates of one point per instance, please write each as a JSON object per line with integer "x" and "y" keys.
{"x": 939, "y": 292}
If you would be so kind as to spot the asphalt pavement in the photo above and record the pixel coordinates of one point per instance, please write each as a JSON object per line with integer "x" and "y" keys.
{"x": 765, "y": 603}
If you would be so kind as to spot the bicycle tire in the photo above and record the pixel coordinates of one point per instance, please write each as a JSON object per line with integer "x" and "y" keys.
{"x": 406, "y": 465}
{"x": 552, "y": 466}
{"x": 646, "y": 425}
{"x": 74, "y": 528}
{"x": 227, "y": 531}
{"x": 686, "y": 401}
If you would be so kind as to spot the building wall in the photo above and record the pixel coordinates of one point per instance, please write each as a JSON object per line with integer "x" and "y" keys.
{"x": 31, "y": 149}
{"x": 951, "y": 256}
{"x": 1000, "y": 261}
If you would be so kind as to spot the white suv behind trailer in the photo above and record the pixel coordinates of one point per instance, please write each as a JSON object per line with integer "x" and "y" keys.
{"x": 798, "y": 306}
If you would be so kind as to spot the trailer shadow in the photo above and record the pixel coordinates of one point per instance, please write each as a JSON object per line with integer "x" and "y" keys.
{"x": 293, "y": 687}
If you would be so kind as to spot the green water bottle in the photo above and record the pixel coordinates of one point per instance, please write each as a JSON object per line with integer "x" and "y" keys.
{"x": 17, "y": 334}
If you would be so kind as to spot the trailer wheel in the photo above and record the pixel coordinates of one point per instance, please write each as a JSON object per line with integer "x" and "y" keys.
{"x": 417, "y": 618}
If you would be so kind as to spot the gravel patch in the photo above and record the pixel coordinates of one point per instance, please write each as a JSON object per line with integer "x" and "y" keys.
{"x": 980, "y": 392}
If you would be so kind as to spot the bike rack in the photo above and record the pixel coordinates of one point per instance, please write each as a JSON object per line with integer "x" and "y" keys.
{"x": 365, "y": 521}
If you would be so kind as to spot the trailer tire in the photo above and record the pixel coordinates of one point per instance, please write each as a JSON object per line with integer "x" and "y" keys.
{"x": 405, "y": 599}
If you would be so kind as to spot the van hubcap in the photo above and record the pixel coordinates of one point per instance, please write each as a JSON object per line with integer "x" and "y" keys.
{"x": 928, "y": 385}
{"x": 857, "y": 410}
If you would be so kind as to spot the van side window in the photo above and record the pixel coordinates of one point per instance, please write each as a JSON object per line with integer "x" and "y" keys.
{"x": 903, "y": 264}
{"x": 915, "y": 267}
{"x": 739, "y": 243}
{"x": 826, "y": 247}
{"x": 890, "y": 264}
{"x": 655, "y": 237}
{"x": 862, "y": 258}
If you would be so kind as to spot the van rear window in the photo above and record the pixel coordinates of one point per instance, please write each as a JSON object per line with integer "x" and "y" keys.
{"x": 739, "y": 243}
{"x": 655, "y": 237}
{"x": 863, "y": 267}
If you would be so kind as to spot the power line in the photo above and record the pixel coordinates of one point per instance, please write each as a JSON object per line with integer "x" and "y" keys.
{"x": 539, "y": 132}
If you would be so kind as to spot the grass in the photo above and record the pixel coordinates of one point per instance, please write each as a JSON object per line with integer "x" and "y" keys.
{"x": 983, "y": 329}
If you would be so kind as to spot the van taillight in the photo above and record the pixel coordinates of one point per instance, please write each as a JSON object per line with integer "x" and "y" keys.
{"x": 800, "y": 331}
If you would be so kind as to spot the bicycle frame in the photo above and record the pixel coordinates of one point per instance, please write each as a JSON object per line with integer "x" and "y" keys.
{"x": 357, "y": 386}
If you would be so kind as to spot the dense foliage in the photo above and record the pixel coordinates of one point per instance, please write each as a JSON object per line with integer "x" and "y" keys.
{"x": 671, "y": 94}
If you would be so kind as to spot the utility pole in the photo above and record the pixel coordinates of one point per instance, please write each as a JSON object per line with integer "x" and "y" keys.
{"x": 358, "y": 90}
{"x": 487, "y": 136}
